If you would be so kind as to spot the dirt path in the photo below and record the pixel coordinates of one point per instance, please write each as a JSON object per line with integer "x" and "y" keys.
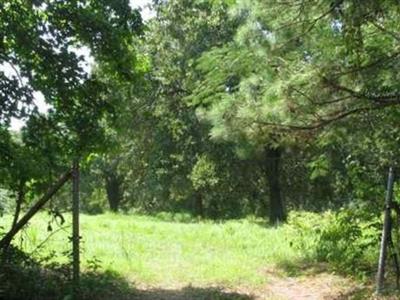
{"x": 311, "y": 287}
{"x": 318, "y": 286}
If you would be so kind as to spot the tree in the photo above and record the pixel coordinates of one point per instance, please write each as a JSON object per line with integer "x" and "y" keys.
{"x": 37, "y": 41}
{"x": 295, "y": 68}
{"x": 230, "y": 97}
{"x": 329, "y": 59}
{"x": 164, "y": 134}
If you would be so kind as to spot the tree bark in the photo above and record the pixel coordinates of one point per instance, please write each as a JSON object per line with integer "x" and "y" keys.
{"x": 272, "y": 163}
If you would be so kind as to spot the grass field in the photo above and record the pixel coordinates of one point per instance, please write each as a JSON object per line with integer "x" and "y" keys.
{"x": 163, "y": 252}
{"x": 178, "y": 257}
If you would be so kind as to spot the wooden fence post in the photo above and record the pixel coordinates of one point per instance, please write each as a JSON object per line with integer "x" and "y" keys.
{"x": 75, "y": 230}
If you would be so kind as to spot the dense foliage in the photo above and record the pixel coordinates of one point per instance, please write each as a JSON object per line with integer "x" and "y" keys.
{"x": 241, "y": 109}
{"x": 39, "y": 46}
{"x": 215, "y": 108}
{"x": 245, "y": 109}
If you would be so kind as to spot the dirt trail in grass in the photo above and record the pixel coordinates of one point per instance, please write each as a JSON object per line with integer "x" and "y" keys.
{"x": 309, "y": 286}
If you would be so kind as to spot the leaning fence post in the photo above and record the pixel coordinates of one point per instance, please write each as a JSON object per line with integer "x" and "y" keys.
{"x": 385, "y": 232}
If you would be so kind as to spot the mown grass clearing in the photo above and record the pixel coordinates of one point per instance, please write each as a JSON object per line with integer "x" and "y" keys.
{"x": 152, "y": 251}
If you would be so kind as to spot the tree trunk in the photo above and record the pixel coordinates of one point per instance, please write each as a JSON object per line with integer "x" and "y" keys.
{"x": 20, "y": 200}
{"x": 272, "y": 164}
{"x": 114, "y": 190}
{"x": 198, "y": 204}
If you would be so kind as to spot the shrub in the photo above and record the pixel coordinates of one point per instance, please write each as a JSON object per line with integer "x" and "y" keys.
{"x": 351, "y": 242}
{"x": 348, "y": 240}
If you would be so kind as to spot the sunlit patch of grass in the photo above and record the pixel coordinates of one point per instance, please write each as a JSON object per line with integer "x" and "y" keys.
{"x": 162, "y": 251}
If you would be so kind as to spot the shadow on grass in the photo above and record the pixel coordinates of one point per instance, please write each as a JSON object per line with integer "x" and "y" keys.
{"x": 49, "y": 284}
{"x": 22, "y": 277}
{"x": 110, "y": 285}
{"x": 189, "y": 292}
{"x": 301, "y": 267}
{"x": 188, "y": 218}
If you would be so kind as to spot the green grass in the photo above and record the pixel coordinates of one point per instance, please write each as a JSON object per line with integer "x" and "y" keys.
{"x": 154, "y": 251}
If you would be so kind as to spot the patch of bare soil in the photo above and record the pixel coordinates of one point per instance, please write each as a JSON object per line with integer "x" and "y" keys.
{"x": 322, "y": 286}
{"x": 311, "y": 287}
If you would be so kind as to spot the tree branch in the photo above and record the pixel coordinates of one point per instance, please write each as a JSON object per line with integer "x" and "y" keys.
{"x": 324, "y": 122}
{"x": 393, "y": 98}
{"x": 384, "y": 30}
{"x": 6, "y": 240}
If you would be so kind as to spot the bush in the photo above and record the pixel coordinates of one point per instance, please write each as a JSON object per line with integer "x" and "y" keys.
{"x": 351, "y": 242}
{"x": 307, "y": 228}
{"x": 348, "y": 240}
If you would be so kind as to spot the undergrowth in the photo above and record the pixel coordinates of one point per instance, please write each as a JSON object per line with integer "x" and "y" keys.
{"x": 348, "y": 240}
{"x": 23, "y": 277}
